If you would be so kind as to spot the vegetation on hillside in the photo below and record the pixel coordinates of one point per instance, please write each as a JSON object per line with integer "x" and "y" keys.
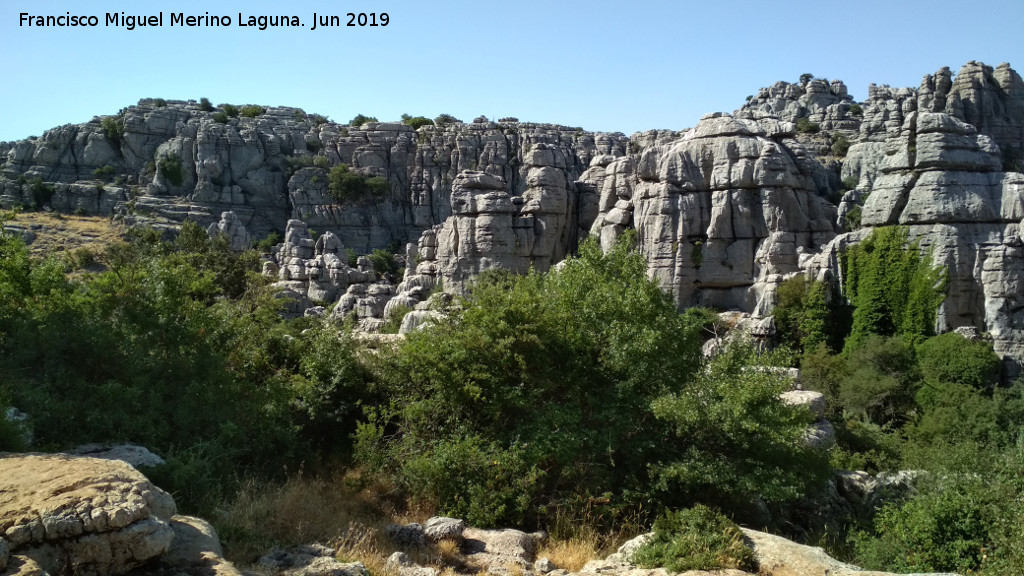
{"x": 577, "y": 398}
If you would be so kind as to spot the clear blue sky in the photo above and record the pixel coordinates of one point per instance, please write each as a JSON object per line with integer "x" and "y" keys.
{"x": 606, "y": 66}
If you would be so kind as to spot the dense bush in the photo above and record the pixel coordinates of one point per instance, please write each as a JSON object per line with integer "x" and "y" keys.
{"x": 171, "y": 334}
{"x": 359, "y": 120}
{"x": 170, "y": 167}
{"x": 251, "y": 111}
{"x": 113, "y": 127}
{"x": 446, "y": 119}
{"x": 347, "y": 186}
{"x": 104, "y": 173}
{"x": 540, "y": 391}
{"x": 230, "y": 109}
{"x": 805, "y": 126}
{"x": 42, "y": 192}
{"x": 840, "y": 145}
{"x": 893, "y": 287}
{"x": 698, "y": 538}
{"x": 416, "y": 121}
{"x": 383, "y": 262}
{"x": 204, "y": 105}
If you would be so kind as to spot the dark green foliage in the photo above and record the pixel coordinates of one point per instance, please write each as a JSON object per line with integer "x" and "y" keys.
{"x": 321, "y": 162}
{"x": 230, "y": 109}
{"x": 348, "y": 186}
{"x": 160, "y": 103}
{"x": 851, "y": 221}
{"x": 953, "y": 359}
{"x": 945, "y": 527}
{"x": 351, "y": 257}
{"x": 805, "y": 78}
{"x": 802, "y": 314}
{"x": 265, "y": 245}
{"x": 171, "y": 334}
{"x": 42, "y": 192}
{"x": 113, "y": 127}
{"x": 394, "y": 321}
{"x": 359, "y": 120}
{"x": 725, "y": 459}
{"x": 698, "y": 538}
{"x": 805, "y": 126}
{"x": 221, "y": 117}
{"x": 317, "y": 119}
{"x": 849, "y": 183}
{"x": 882, "y": 379}
{"x": 893, "y": 288}
{"x": 540, "y": 391}
{"x": 840, "y": 145}
{"x": 383, "y": 262}
{"x": 204, "y": 105}
{"x": 313, "y": 146}
{"x": 416, "y": 121}
{"x": 104, "y": 173}
{"x": 856, "y": 110}
{"x": 170, "y": 167}
{"x": 251, "y": 111}
{"x": 446, "y": 119}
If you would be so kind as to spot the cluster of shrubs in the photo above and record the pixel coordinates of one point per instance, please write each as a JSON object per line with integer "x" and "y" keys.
{"x": 581, "y": 393}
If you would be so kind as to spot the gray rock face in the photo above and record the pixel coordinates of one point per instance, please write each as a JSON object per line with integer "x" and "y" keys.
{"x": 231, "y": 227}
{"x": 943, "y": 180}
{"x": 721, "y": 213}
{"x": 172, "y": 161}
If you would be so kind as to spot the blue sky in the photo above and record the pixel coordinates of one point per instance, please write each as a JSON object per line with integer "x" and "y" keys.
{"x": 605, "y": 66}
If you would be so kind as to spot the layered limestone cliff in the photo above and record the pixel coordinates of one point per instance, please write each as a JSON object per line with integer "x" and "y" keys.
{"x": 163, "y": 162}
{"x": 724, "y": 211}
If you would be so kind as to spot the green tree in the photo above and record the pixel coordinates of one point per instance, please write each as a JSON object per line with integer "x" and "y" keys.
{"x": 893, "y": 287}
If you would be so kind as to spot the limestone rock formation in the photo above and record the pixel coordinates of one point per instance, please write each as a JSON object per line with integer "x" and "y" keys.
{"x": 100, "y": 516}
{"x": 722, "y": 213}
{"x": 233, "y": 229}
{"x": 160, "y": 162}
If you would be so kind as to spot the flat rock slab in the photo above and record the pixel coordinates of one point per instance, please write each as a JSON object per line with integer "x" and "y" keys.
{"x": 100, "y": 516}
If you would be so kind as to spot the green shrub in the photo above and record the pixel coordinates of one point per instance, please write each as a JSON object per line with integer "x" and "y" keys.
{"x": 445, "y": 120}
{"x": 840, "y": 145}
{"x": 267, "y": 244}
{"x": 221, "y": 117}
{"x": 851, "y": 221}
{"x": 805, "y": 126}
{"x": 698, "y": 538}
{"x": 951, "y": 358}
{"x": 856, "y": 110}
{"x": 383, "y": 262}
{"x": 251, "y": 111}
{"x": 416, "y": 121}
{"x": 204, "y": 105}
{"x": 160, "y": 103}
{"x": 346, "y": 186}
{"x": 104, "y": 173}
{"x": 42, "y": 193}
{"x": 893, "y": 287}
{"x": 351, "y": 258}
{"x": 321, "y": 162}
{"x": 944, "y": 528}
{"x": 360, "y": 119}
{"x": 113, "y": 127}
{"x": 317, "y": 119}
{"x": 802, "y": 314}
{"x": 230, "y": 109}
{"x": 313, "y": 146}
{"x": 394, "y": 321}
{"x": 849, "y": 183}
{"x": 882, "y": 379}
{"x": 170, "y": 167}
{"x": 549, "y": 387}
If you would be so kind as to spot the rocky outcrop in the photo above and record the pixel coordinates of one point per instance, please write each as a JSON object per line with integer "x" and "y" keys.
{"x": 99, "y": 516}
{"x": 160, "y": 162}
{"x": 943, "y": 180}
{"x": 62, "y": 513}
{"x": 722, "y": 213}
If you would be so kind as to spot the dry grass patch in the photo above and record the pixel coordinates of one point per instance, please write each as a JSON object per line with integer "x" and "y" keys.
{"x": 339, "y": 508}
{"x": 57, "y": 233}
{"x": 571, "y": 554}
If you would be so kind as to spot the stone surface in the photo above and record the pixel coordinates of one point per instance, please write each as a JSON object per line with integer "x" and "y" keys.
{"x": 499, "y": 549}
{"x": 442, "y": 528}
{"x": 102, "y": 516}
{"x": 130, "y": 453}
{"x": 777, "y": 556}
